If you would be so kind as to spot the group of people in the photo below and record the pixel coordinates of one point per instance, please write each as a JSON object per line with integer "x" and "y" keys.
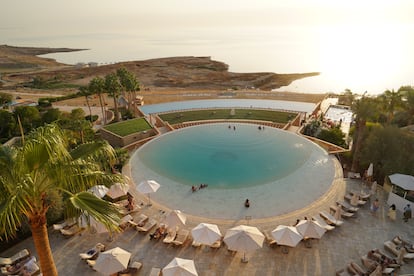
{"x": 392, "y": 212}
{"x": 130, "y": 205}
{"x": 160, "y": 232}
{"x": 195, "y": 188}
{"x": 234, "y": 127}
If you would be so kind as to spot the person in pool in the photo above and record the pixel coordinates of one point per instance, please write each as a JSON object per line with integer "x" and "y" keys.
{"x": 247, "y": 203}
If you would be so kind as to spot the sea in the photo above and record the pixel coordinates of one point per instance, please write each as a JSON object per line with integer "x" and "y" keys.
{"x": 366, "y": 58}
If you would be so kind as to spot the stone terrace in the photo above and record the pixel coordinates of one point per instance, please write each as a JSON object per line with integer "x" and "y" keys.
{"x": 334, "y": 251}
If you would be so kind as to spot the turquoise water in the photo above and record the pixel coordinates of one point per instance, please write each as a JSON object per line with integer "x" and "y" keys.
{"x": 225, "y": 158}
{"x": 277, "y": 170}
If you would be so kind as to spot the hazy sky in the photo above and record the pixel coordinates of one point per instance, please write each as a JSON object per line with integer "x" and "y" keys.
{"x": 49, "y": 15}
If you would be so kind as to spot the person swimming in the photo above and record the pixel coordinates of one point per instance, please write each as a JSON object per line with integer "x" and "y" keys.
{"x": 247, "y": 203}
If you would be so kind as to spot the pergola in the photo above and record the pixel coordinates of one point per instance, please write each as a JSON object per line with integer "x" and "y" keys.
{"x": 402, "y": 190}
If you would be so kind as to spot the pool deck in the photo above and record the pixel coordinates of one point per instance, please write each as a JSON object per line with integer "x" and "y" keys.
{"x": 334, "y": 251}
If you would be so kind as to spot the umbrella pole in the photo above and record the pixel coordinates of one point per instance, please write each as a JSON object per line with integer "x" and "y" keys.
{"x": 244, "y": 259}
{"x": 149, "y": 200}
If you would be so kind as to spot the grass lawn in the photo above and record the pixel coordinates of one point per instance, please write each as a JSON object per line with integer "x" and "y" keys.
{"x": 128, "y": 127}
{"x": 214, "y": 114}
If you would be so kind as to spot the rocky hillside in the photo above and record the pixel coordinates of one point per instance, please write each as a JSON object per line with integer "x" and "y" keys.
{"x": 174, "y": 72}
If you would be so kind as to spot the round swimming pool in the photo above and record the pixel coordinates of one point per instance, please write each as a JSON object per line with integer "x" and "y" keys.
{"x": 276, "y": 170}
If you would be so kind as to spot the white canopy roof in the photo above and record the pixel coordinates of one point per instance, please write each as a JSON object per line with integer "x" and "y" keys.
{"x": 403, "y": 180}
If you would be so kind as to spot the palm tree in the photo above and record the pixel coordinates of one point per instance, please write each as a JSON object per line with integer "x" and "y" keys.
{"x": 84, "y": 91}
{"x": 130, "y": 84}
{"x": 365, "y": 108}
{"x": 113, "y": 87}
{"x": 97, "y": 86}
{"x": 408, "y": 96}
{"x": 43, "y": 166}
{"x": 391, "y": 101}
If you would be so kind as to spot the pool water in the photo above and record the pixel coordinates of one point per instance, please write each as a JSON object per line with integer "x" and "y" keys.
{"x": 277, "y": 170}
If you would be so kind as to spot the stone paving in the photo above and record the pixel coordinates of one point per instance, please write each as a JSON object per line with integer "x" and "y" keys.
{"x": 334, "y": 251}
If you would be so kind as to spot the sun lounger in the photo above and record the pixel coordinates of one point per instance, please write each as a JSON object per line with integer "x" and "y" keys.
{"x": 93, "y": 252}
{"x": 356, "y": 267}
{"x": 73, "y": 230}
{"x": 155, "y": 271}
{"x": 346, "y": 206}
{"x": 195, "y": 244}
{"x": 124, "y": 223}
{"x": 17, "y": 267}
{"x": 64, "y": 225}
{"x": 217, "y": 244}
{"x": 359, "y": 202}
{"x": 147, "y": 226}
{"x": 406, "y": 244}
{"x": 31, "y": 268}
{"x": 344, "y": 213}
{"x": 139, "y": 221}
{"x": 323, "y": 223}
{"x": 22, "y": 254}
{"x": 269, "y": 239}
{"x": 181, "y": 237}
{"x": 343, "y": 272}
{"x": 370, "y": 265}
{"x": 330, "y": 219}
{"x": 171, "y": 234}
{"x": 398, "y": 252}
{"x": 135, "y": 266}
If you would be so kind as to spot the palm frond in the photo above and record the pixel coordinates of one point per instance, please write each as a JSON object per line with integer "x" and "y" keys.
{"x": 101, "y": 210}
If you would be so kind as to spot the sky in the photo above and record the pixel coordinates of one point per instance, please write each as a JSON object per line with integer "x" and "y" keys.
{"x": 334, "y": 37}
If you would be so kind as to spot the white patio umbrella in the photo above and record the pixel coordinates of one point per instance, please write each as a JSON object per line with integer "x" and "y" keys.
{"x": 244, "y": 238}
{"x": 370, "y": 170}
{"x": 96, "y": 225}
{"x": 286, "y": 235}
{"x": 147, "y": 187}
{"x": 99, "y": 190}
{"x": 112, "y": 261}
{"x": 180, "y": 267}
{"x": 310, "y": 229}
{"x": 175, "y": 218}
{"x": 117, "y": 190}
{"x": 374, "y": 188}
{"x": 206, "y": 233}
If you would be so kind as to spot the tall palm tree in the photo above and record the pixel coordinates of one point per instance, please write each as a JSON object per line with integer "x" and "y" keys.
{"x": 408, "y": 101}
{"x": 364, "y": 108}
{"x": 391, "y": 101}
{"x": 41, "y": 167}
{"x": 130, "y": 84}
{"x": 97, "y": 86}
{"x": 113, "y": 87}
{"x": 84, "y": 91}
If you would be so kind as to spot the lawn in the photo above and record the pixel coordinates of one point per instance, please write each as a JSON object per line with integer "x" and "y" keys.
{"x": 214, "y": 114}
{"x": 125, "y": 128}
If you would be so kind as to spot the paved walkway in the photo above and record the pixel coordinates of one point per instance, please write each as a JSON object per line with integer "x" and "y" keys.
{"x": 336, "y": 248}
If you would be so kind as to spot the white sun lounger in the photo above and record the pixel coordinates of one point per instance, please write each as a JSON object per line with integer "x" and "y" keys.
{"x": 330, "y": 219}
{"x": 323, "y": 223}
{"x": 22, "y": 254}
{"x": 392, "y": 247}
{"x": 171, "y": 234}
{"x": 346, "y": 206}
{"x": 181, "y": 237}
{"x": 139, "y": 221}
{"x": 147, "y": 226}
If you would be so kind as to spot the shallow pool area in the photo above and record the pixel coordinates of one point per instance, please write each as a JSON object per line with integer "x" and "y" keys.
{"x": 228, "y": 103}
{"x": 276, "y": 170}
